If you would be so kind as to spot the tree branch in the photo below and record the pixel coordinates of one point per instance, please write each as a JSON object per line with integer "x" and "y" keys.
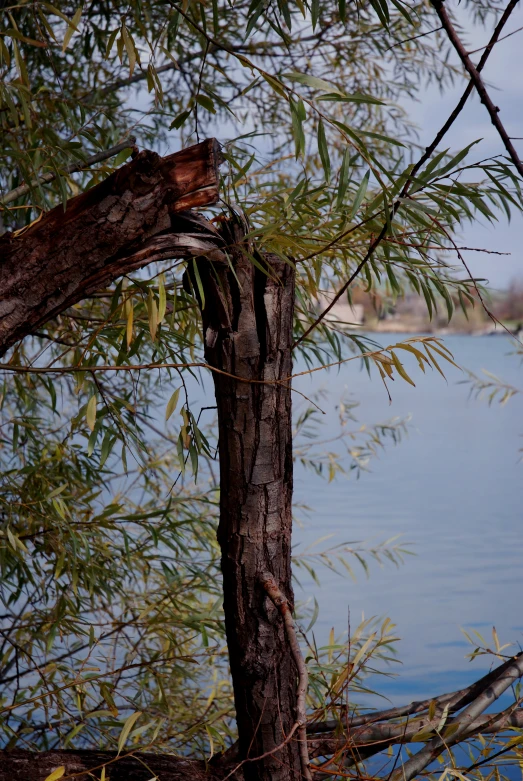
{"x": 70, "y": 169}
{"x": 464, "y": 722}
{"x": 477, "y": 81}
{"x": 454, "y": 700}
{"x": 271, "y": 587}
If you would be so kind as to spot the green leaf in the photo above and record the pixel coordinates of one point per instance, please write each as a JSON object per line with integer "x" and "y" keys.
{"x": 206, "y": 102}
{"x": 354, "y": 97}
{"x": 90, "y": 414}
{"x": 315, "y": 13}
{"x": 74, "y": 732}
{"x": 72, "y": 27}
{"x": 198, "y": 282}
{"x": 344, "y": 178}
{"x": 382, "y": 11}
{"x": 360, "y": 195}
{"x": 171, "y": 404}
{"x": 179, "y": 120}
{"x": 127, "y": 727}
{"x": 324, "y": 150}
{"x": 122, "y": 156}
{"x": 297, "y": 127}
{"x": 312, "y": 81}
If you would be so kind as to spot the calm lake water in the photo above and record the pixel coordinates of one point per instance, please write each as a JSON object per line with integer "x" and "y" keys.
{"x": 453, "y": 488}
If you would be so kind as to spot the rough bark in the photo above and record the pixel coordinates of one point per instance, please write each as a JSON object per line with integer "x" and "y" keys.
{"x": 125, "y": 222}
{"x": 247, "y": 324}
{"x": 27, "y": 766}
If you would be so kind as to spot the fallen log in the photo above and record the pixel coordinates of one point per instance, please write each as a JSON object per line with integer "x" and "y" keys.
{"x": 134, "y": 217}
{"x": 86, "y": 765}
{"x": 357, "y": 744}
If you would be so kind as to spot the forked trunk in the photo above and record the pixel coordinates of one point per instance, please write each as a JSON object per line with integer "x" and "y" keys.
{"x": 247, "y": 322}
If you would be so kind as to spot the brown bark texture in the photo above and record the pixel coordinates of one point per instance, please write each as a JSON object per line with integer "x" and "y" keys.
{"x": 247, "y": 329}
{"x": 132, "y": 218}
{"x": 19, "y": 765}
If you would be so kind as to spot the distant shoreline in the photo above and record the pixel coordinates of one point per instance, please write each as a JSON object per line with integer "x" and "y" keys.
{"x": 399, "y": 327}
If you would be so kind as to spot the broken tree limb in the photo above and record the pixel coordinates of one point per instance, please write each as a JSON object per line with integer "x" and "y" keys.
{"x": 377, "y": 737}
{"x": 132, "y": 218}
{"x": 247, "y": 318}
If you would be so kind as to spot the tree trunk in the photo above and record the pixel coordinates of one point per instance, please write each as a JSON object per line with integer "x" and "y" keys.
{"x": 247, "y": 325}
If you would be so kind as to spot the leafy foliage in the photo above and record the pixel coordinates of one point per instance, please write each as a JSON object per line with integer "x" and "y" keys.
{"x": 110, "y": 588}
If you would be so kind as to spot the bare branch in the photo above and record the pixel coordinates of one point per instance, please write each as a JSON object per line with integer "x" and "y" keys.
{"x": 464, "y": 723}
{"x": 271, "y": 587}
{"x": 454, "y": 700}
{"x": 476, "y": 79}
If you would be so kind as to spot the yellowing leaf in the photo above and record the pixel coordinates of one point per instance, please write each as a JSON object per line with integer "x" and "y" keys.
{"x": 130, "y": 48}
{"x": 72, "y": 28}
{"x": 400, "y": 369}
{"x": 443, "y": 718}
{"x": 363, "y": 650}
{"x": 162, "y": 304}
{"x": 331, "y": 643}
{"x": 153, "y": 315}
{"x": 171, "y": 404}
{"x": 127, "y": 727}
{"x": 90, "y": 414}
{"x": 58, "y": 773}
{"x": 130, "y": 321}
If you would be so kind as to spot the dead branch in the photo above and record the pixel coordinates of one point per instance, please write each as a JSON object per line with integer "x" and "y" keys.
{"x": 377, "y": 737}
{"x": 453, "y": 701}
{"x": 271, "y": 587}
{"x": 463, "y": 722}
{"x": 85, "y": 765}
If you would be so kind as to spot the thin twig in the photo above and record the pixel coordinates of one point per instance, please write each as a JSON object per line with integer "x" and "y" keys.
{"x": 271, "y": 587}
{"x": 504, "y": 38}
{"x": 413, "y": 38}
{"x": 23, "y": 189}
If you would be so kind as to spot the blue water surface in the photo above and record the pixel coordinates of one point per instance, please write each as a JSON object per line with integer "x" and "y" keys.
{"x": 454, "y": 489}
